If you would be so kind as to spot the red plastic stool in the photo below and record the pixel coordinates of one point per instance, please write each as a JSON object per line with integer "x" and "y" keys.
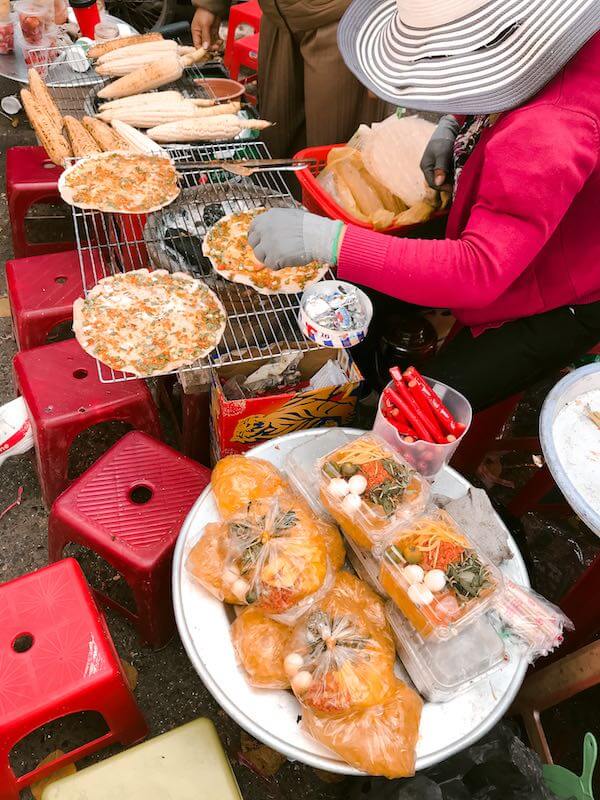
{"x": 60, "y": 385}
{"x": 244, "y": 53}
{"x": 57, "y": 658}
{"x": 42, "y": 290}
{"x": 30, "y": 178}
{"x": 248, "y": 13}
{"x": 104, "y": 510}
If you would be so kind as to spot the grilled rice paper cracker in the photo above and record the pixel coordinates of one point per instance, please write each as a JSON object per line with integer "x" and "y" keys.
{"x": 123, "y": 183}
{"x": 378, "y": 740}
{"x": 260, "y": 644}
{"x": 232, "y": 257}
{"x": 207, "y": 560}
{"x": 149, "y": 323}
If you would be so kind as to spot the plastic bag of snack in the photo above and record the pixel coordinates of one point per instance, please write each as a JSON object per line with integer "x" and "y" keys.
{"x": 435, "y": 576}
{"x": 528, "y": 620}
{"x": 237, "y": 481}
{"x": 260, "y": 644}
{"x": 277, "y": 558}
{"x": 380, "y": 739}
{"x": 341, "y": 659}
{"x": 207, "y": 561}
{"x": 369, "y": 490}
{"x": 358, "y": 191}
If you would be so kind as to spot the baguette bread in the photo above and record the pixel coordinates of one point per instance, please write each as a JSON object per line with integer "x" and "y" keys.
{"x": 51, "y": 139}
{"x": 43, "y": 98}
{"x": 82, "y": 143}
{"x": 104, "y": 135}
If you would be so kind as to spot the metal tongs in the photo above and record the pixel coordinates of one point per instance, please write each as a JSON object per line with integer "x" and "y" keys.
{"x": 247, "y": 167}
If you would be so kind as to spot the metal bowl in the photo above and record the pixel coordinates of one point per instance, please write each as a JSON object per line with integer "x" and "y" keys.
{"x": 569, "y": 388}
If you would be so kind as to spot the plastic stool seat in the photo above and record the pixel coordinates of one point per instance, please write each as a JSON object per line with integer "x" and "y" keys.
{"x": 248, "y": 13}
{"x": 42, "y": 290}
{"x": 99, "y": 511}
{"x": 187, "y": 763}
{"x": 30, "y": 178}
{"x": 60, "y": 385}
{"x": 57, "y": 658}
{"x": 244, "y": 53}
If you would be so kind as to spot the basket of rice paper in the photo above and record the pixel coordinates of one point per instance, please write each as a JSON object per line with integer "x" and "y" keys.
{"x": 376, "y": 180}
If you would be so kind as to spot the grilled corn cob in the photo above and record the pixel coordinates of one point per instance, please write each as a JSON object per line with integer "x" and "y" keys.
{"x": 99, "y": 50}
{"x": 43, "y": 98}
{"x": 116, "y": 69}
{"x": 146, "y": 100}
{"x": 212, "y": 129}
{"x": 141, "y": 49}
{"x": 82, "y": 143}
{"x": 149, "y": 118}
{"x": 136, "y": 141}
{"x": 168, "y": 69}
{"x": 49, "y": 137}
{"x": 107, "y": 138}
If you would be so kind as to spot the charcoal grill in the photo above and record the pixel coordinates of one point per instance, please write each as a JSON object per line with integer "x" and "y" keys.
{"x": 258, "y": 326}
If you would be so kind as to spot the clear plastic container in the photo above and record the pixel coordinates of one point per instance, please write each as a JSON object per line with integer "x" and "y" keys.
{"x": 369, "y": 490}
{"x": 106, "y": 31}
{"x": 34, "y": 19}
{"x": 7, "y": 36}
{"x": 435, "y": 576}
{"x": 301, "y": 463}
{"x": 38, "y": 56}
{"x": 426, "y": 457}
{"x": 441, "y": 670}
{"x": 365, "y": 565}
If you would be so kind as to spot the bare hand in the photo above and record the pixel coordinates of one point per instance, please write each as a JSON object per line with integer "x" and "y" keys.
{"x": 205, "y": 29}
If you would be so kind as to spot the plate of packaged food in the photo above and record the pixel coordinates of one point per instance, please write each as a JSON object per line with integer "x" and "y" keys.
{"x": 301, "y": 649}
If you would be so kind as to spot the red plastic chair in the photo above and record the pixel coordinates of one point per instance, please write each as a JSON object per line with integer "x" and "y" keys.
{"x": 60, "y": 385}
{"x": 248, "y": 13}
{"x": 42, "y": 290}
{"x": 30, "y": 178}
{"x": 128, "y": 508}
{"x": 57, "y": 658}
{"x": 244, "y": 53}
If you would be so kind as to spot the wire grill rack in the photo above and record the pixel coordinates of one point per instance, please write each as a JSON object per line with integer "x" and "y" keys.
{"x": 258, "y": 326}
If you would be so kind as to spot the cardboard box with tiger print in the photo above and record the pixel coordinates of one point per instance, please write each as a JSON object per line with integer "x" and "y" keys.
{"x": 238, "y": 425}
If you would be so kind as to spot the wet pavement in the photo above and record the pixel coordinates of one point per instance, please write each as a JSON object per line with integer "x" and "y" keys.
{"x": 168, "y": 690}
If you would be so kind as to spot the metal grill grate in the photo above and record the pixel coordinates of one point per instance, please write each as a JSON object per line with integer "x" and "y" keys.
{"x": 258, "y": 325}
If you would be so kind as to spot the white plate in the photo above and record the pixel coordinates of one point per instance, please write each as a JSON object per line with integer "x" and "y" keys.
{"x": 271, "y": 715}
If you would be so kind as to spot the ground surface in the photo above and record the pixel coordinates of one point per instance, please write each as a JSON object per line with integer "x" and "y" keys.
{"x": 168, "y": 689}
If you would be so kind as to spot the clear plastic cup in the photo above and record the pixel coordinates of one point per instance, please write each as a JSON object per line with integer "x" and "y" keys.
{"x": 38, "y": 56}
{"x": 7, "y": 36}
{"x": 426, "y": 457}
{"x": 34, "y": 19}
{"x": 106, "y": 31}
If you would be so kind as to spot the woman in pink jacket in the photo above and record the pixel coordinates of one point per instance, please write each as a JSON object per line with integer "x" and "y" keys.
{"x": 520, "y": 265}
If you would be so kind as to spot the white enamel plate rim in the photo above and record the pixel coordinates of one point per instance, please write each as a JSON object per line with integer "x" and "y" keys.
{"x": 271, "y": 715}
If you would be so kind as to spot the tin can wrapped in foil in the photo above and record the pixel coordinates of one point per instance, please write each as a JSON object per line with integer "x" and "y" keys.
{"x": 335, "y": 314}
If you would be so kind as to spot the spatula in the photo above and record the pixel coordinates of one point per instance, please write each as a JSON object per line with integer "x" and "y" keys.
{"x": 565, "y": 784}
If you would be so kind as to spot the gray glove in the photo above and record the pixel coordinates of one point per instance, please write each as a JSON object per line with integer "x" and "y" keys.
{"x": 437, "y": 161}
{"x": 289, "y": 237}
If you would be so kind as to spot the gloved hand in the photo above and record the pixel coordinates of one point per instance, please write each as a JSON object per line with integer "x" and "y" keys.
{"x": 437, "y": 161}
{"x": 289, "y": 237}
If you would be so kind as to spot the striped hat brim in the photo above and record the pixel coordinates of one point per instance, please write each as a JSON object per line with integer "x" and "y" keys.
{"x": 491, "y": 60}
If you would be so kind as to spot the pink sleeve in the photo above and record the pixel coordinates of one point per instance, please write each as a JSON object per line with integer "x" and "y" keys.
{"x": 534, "y": 166}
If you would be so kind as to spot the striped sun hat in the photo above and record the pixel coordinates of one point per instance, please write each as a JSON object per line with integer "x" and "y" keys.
{"x": 463, "y": 56}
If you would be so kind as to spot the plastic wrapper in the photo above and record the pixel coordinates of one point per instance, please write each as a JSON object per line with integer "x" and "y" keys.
{"x": 369, "y": 490}
{"x": 260, "y": 644}
{"x": 207, "y": 561}
{"x": 379, "y": 740}
{"x": 530, "y": 621}
{"x": 354, "y": 188}
{"x": 16, "y": 436}
{"x": 237, "y": 481}
{"x": 436, "y": 577}
{"x": 341, "y": 655}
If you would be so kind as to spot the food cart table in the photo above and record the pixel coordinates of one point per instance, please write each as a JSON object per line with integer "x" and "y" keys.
{"x": 580, "y": 603}
{"x": 272, "y": 716}
{"x": 14, "y": 67}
